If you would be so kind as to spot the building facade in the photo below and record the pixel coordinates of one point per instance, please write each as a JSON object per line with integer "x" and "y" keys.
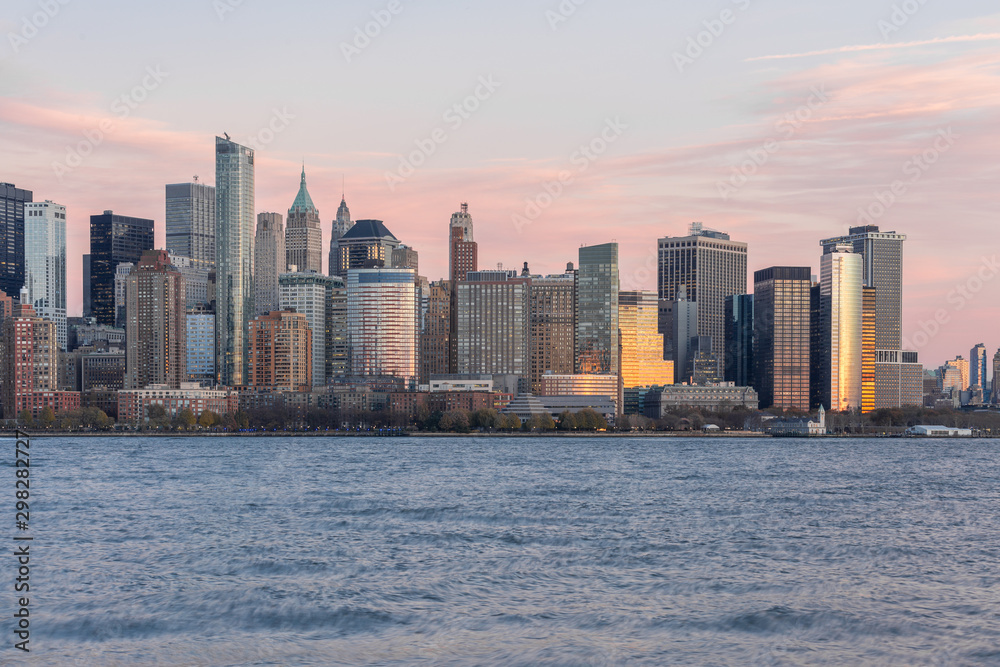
{"x": 492, "y": 330}
{"x": 552, "y": 309}
{"x": 367, "y": 244}
{"x": 382, "y": 322}
{"x": 234, "y": 238}
{"x": 201, "y": 346}
{"x": 122, "y": 272}
{"x": 29, "y": 366}
{"x": 281, "y": 348}
{"x": 269, "y": 262}
{"x": 642, "y": 362}
{"x": 710, "y": 267}
{"x": 156, "y": 326}
{"x": 12, "y": 201}
{"x": 782, "y": 347}
{"x": 841, "y": 282}
{"x": 435, "y": 329}
{"x": 190, "y": 223}
{"x": 596, "y": 311}
{"x": 113, "y": 239}
{"x": 309, "y": 294}
{"x": 303, "y": 233}
{"x": 134, "y": 404}
{"x": 739, "y": 365}
{"x": 341, "y": 225}
{"x": 978, "y": 367}
{"x": 45, "y": 262}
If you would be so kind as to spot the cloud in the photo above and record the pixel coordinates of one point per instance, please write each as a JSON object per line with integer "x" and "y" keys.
{"x": 882, "y": 47}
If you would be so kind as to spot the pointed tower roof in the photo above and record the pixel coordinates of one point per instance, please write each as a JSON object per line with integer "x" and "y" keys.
{"x": 302, "y": 200}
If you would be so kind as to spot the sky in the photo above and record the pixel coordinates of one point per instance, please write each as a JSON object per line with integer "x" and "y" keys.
{"x": 561, "y": 123}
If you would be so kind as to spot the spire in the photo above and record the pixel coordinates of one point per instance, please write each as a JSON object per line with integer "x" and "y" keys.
{"x": 302, "y": 200}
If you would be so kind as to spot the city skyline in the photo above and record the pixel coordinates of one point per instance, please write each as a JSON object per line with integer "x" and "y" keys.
{"x": 663, "y": 169}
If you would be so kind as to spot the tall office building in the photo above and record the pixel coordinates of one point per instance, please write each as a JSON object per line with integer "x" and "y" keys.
{"x": 366, "y": 245}
{"x": 869, "y": 348}
{"x": 463, "y": 251}
{"x": 678, "y": 322}
{"x": 195, "y": 281}
{"x": 281, "y": 346}
{"x": 113, "y": 239}
{"x": 978, "y": 365}
{"x": 596, "y": 316}
{"x": 45, "y": 262}
{"x": 739, "y": 362}
{"x": 303, "y": 233}
{"x": 882, "y": 257}
{"x": 552, "y": 308}
{"x": 156, "y": 327}
{"x": 841, "y": 282}
{"x": 190, "y": 223}
{"x": 382, "y": 322}
{"x": 12, "y": 201}
{"x": 338, "y": 347}
{"x": 201, "y": 346}
{"x": 711, "y": 267}
{"x": 492, "y": 333}
{"x": 642, "y": 363}
{"x": 962, "y": 364}
{"x": 341, "y": 225}
{"x": 269, "y": 263}
{"x": 122, "y": 272}
{"x": 234, "y": 237}
{"x": 781, "y": 312}
{"x": 995, "y": 400}
{"x": 308, "y": 294}
{"x": 435, "y": 329}
{"x": 88, "y": 306}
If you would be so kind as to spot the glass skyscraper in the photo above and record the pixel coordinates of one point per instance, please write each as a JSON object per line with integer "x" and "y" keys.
{"x": 382, "y": 322}
{"x": 114, "y": 239}
{"x": 841, "y": 282}
{"x": 597, "y": 311}
{"x": 234, "y": 239}
{"x": 781, "y": 336}
{"x": 739, "y": 362}
{"x": 191, "y": 223}
{"x": 45, "y": 263}
{"x": 642, "y": 363}
{"x": 308, "y": 294}
{"x": 12, "y": 201}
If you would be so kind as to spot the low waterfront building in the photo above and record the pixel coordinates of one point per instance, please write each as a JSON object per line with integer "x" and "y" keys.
{"x": 715, "y": 398}
{"x": 134, "y": 404}
{"x": 802, "y": 426}
{"x": 583, "y": 384}
{"x": 939, "y": 432}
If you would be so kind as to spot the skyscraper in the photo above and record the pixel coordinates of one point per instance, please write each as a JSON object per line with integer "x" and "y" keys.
{"x": 869, "y": 348}
{"x": 711, "y": 267}
{"x": 677, "y": 320}
{"x": 435, "y": 329}
{"x": 269, "y": 263}
{"x": 995, "y": 400}
{"x": 739, "y": 361}
{"x": 88, "y": 305}
{"x": 307, "y": 293}
{"x": 122, "y": 272}
{"x": 368, "y": 244}
{"x": 303, "y": 233}
{"x": 113, "y": 239}
{"x": 45, "y": 262}
{"x": 338, "y": 347}
{"x": 281, "y": 345}
{"x": 552, "y": 306}
{"x": 962, "y": 364}
{"x": 597, "y": 311}
{"x": 978, "y": 367}
{"x": 841, "y": 282}
{"x": 463, "y": 251}
{"x": 201, "y": 346}
{"x": 492, "y": 333}
{"x": 234, "y": 237}
{"x": 340, "y": 226}
{"x": 642, "y": 363}
{"x": 156, "y": 326}
{"x": 12, "y": 201}
{"x": 382, "y": 322}
{"x": 190, "y": 223}
{"x": 781, "y": 312}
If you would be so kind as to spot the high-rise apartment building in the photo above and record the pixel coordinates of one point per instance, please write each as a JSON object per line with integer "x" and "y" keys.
{"x": 234, "y": 240}
{"x": 303, "y": 233}
{"x": 597, "y": 347}
{"x": 552, "y": 309}
{"x": 463, "y": 251}
{"x": 739, "y": 365}
{"x": 382, "y": 322}
{"x": 995, "y": 393}
{"x": 341, "y": 225}
{"x": 308, "y": 294}
{"x": 45, "y": 262}
{"x": 338, "y": 346}
{"x": 156, "y": 326}
{"x": 492, "y": 332}
{"x": 642, "y": 363}
{"x": 281, "y": 346}
{"x": 978, "y": 365}
{"x": 710, "y": 267}
{"x": 269, "y": 262}
{"x": 122, "y": 272}
{"x": 201, "y": 346}
{"x": 113, "y": 239}
{"x": 12, "y": 201}
{"x": 366, "y": 245}
{"x": 435, "y": 329}
{"x": 781, "y": 312}
{"x": 190, "y": 223}
{"x": 841, "y": 295}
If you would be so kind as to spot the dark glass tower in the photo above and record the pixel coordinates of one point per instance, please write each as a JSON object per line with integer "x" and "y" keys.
{"x": 12, "y": 202}
{"x": 739, "y": 364}
{"x": 113, "y": 239}
{"x": 597, "y": 345}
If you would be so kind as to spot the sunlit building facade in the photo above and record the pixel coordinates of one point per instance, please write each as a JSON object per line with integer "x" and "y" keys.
{"x": 869, "y": 347}
{"x": 234, "y": 237}
{"x": 45, "y": 262}
{"x": 642, "y": 363}
{"x": 841, "y": 281}
{"x": 382, "y": 322}
{"x": 552, "y": 303}
{"x": 978, "y": 367}
{"x": 782, "y": 336}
